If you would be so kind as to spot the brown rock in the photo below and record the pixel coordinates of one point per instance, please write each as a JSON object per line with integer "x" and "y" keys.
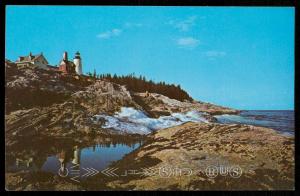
{"x": 198, "y": 146}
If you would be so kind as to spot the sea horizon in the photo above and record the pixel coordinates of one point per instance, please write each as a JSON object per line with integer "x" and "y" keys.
{"x": 266, "y": 110}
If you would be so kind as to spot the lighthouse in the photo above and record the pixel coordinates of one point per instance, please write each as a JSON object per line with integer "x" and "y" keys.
{"x": 78, "y": 64}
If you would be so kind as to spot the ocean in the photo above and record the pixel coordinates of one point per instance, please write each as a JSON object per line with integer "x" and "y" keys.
{"x": 282, "y": 121}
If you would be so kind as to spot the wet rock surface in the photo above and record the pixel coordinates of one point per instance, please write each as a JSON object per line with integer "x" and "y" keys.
{"x": 266, "y": 159}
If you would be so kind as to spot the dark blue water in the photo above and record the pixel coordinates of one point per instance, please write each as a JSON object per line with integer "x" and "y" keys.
{"x": 279, "y": 120}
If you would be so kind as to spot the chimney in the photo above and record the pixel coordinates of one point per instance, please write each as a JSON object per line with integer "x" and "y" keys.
{"x": 65, "y": 56}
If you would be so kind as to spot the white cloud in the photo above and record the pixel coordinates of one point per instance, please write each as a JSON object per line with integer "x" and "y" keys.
{"x": 129, "y": 24}
{"x": 109, "y": 34}
{"x": 214, "y": 53}
{"x": 183, "y": 25}
{"x": 117, "y": 31}
{"x": 104, "y": 35}
{"x": 187, "y": 42}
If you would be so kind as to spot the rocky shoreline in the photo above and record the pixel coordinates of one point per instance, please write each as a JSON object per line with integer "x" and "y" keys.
{"x": 194, "y": 147}
{"x": 63, "y": 116}
{"x": 190, "y": 149}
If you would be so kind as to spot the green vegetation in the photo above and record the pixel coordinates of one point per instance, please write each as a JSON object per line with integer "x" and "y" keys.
{"x": 141, "y": 84}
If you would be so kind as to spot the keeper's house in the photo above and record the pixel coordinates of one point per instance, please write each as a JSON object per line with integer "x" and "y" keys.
{"x": 32, "y": 61}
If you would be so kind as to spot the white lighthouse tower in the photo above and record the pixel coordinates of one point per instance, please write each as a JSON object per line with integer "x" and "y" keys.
{"x": 78, "y": 64}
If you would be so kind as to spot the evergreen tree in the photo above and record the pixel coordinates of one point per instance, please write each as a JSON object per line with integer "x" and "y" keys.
{"x": 94, "y": 75}
{"x": 141, "y": 84}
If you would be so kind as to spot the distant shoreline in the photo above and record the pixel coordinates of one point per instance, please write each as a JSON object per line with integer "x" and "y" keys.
{"x": 268, "y": 110}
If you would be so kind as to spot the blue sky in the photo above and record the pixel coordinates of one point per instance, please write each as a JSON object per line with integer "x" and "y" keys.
{"x": 232, "y": 56}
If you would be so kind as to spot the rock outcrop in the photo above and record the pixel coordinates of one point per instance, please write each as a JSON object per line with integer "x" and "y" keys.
{"x": 158, "y": 105}
{"x": 44, "y": 106}
{"x": 256, "y": 158}
{"x": 49, "y": 103}
{"x": 43, "y": 181}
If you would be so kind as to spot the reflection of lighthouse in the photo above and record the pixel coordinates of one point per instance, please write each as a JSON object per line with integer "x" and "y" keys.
{"x": 62, "y": 160}
{"x": 76, "y": 157}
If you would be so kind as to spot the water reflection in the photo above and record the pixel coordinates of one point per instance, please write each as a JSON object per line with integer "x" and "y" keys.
{"x": 74, "y": 157}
